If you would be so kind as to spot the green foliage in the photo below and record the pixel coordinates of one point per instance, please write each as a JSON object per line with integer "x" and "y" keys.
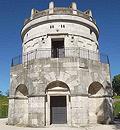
{"x": 1, "y": 93}
{"x": 116, "y": 97}
{"x": 3, "y": 106}
{"x": 116, "y": 106}
{"x": 116, "y": 84}
{"x": 7, "y": 93}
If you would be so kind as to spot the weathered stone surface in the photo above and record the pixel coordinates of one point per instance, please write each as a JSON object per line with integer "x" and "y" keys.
{"x": 78, "y": 81}
{"x": 104, "y": 112}
{"x": 74, "y": 72}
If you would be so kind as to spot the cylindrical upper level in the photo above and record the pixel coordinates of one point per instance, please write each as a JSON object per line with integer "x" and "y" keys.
{"x": 56, "y": 28}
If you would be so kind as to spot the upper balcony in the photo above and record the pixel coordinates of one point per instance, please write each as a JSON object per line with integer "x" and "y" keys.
{"x": 60, "y": 53}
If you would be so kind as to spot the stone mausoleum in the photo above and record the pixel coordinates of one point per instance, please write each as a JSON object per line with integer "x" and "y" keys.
{"x": 61, "y": 76}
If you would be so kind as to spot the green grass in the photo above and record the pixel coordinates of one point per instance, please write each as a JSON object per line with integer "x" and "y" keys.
{"x": 3, "y": 106}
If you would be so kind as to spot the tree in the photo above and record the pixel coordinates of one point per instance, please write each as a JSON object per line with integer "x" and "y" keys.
{"x": 1, "y": 93}
{"x": 7, "y": 93}
{"x": 116, "y": 84}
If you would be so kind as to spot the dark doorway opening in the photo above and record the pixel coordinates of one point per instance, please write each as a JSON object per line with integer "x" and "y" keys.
{"x": 58, "y": 50}
{"x": 58, "y": 110}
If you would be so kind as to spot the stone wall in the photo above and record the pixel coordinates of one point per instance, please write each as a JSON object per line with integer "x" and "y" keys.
{"x": 76, "y": 31}
{"x": 77, "y": 73}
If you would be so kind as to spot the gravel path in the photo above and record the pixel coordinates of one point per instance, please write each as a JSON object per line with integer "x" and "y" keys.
{"x": 3, "y": 126}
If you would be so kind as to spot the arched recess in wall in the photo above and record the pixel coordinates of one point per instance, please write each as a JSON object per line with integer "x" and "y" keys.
{"x": 57, "y": 86}
{"x": 97, "y": 92}
{"x": 21, "y": 105}
{"x": 21, "y": 91}
{"x": 96, "y": 88}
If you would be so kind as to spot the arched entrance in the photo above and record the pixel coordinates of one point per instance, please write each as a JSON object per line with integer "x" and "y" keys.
{"x": 21, "y": 105}
{"x": 58, "y": 110}
{"x": 58, "y": 103}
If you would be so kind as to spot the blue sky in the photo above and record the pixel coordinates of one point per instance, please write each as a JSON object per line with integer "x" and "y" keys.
{"x": 12, "y": 15}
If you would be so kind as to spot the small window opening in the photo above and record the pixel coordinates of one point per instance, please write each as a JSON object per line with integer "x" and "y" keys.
{"x": 62, "y": 26}
{"x": 58, "y": 50}
{"x": 72, "y": 37}
{"x": 51, "y": 26}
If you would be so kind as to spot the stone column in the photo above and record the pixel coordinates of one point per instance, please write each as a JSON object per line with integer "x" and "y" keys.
{"x": 32, "y": 13}
{"x": 51, "y": 7}
{"x": 68, "y": 110}
{"x": 74, "y": 7}
{"x": 48, "y": 110}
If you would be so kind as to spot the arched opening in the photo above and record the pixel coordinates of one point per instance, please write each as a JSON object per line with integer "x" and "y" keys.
{"x": 96, "y": 88}
{"x": 21, "y": 91}
{"x": 58, "y": 98}
{"x": 57, "y": 86}
{"x": 96, "y": 95}
{"x": 21, "y": 105}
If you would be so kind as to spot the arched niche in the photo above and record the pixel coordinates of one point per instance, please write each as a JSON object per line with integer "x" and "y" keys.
{"x": 57, "y": 86}
{"x": 21, "y": 91}
{"x": 96, "y": 88}
{"x": 96, "y": 93}
{"x": 21, "y": 105}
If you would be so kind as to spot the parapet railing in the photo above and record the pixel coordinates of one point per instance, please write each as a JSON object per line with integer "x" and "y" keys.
{"x": 59, "y": 11}
{"x": 61, "y": 53}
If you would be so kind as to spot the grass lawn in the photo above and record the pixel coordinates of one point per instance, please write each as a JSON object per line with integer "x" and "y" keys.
{"x": 3, "y": 106}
